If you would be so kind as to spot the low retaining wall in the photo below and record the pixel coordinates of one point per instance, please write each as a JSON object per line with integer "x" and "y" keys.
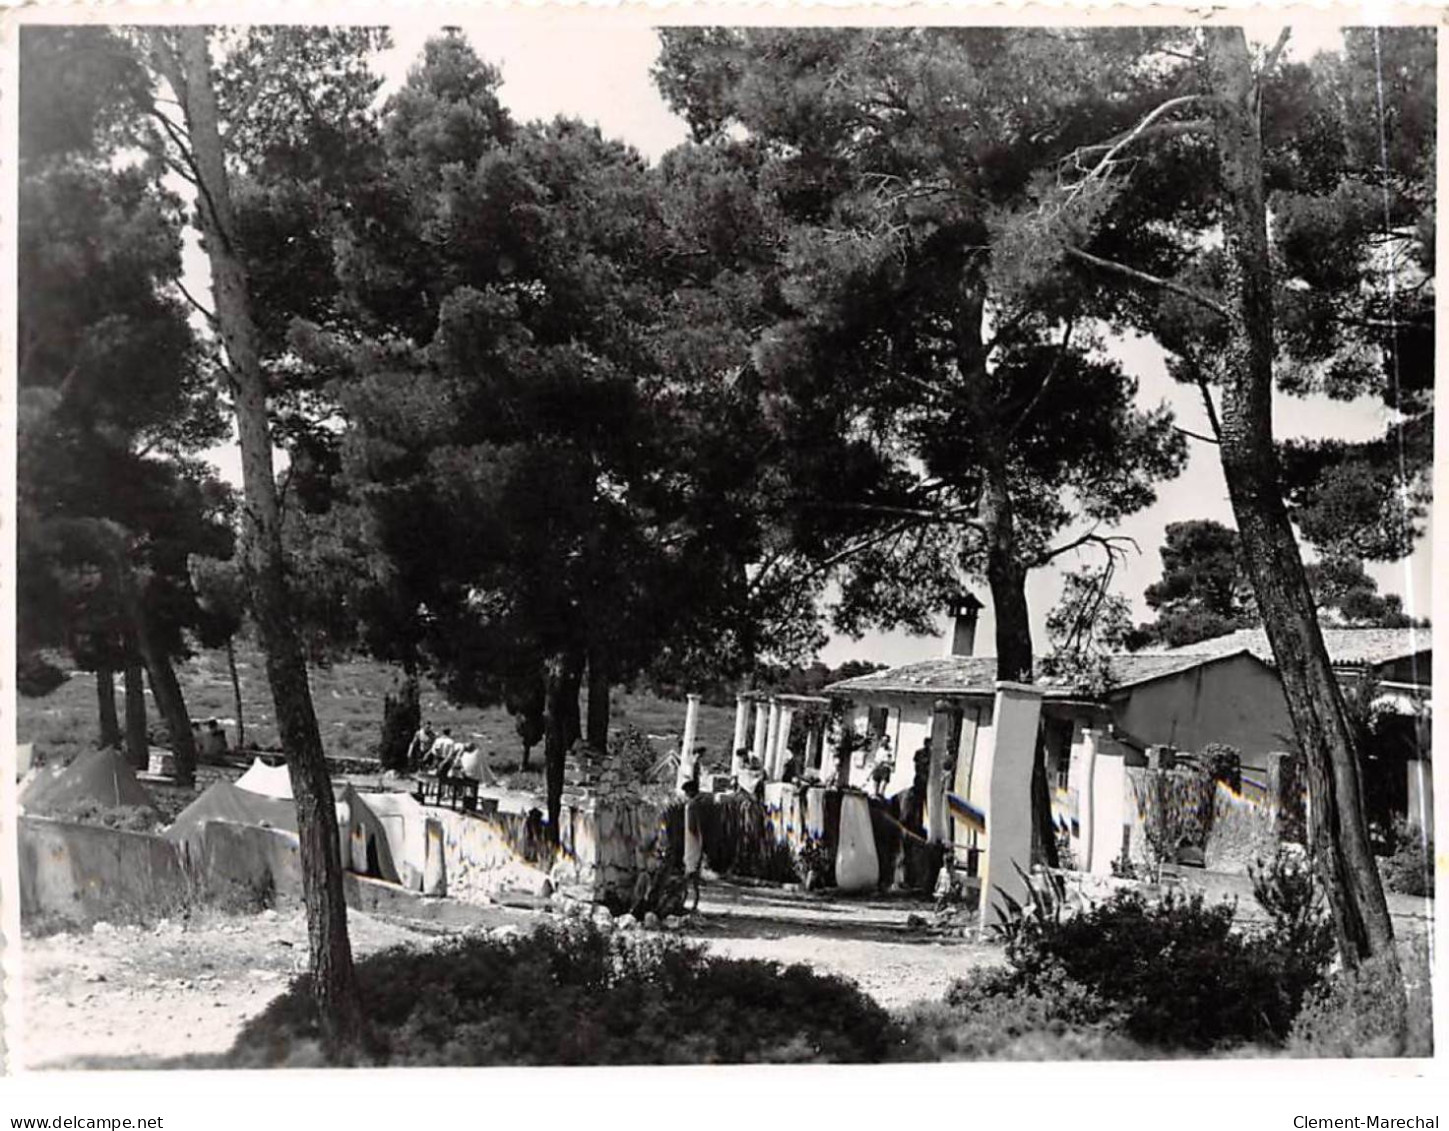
{"x": 77, "y": 874}
{"x": 497, "y": 850}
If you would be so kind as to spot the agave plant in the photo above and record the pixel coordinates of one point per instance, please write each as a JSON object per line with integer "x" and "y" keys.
{"x": 1017, "y": 922}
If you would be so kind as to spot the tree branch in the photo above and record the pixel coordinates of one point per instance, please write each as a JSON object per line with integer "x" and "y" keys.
{"x": 1205, "y": 301}
{"x": 952, "y": 516}
{"x": 1207, "y": 402}
{"x": 209, "y": 315}
{"x": 1046, "y": 381}
{"x": 1127, "y": 139}
{"x": 1161, "y": 129}
{"x": 1272, "y": 60}
{"x": 1194, "y": 435}
{"x": 1108, "y": 542}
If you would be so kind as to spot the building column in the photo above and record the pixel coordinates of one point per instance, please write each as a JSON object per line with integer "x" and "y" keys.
{"x": 936, "y": 824}
{"x": 1079, "y": 793}
{"x": 762, "y": 726}
{"x": 687, "y": 764}
{"x": 1001, "y": 789}
{"x": 1421, "y": 796}
{"x": 691, "y": 727}
{"x": 742, "y": 726}
{"x": 782, "y": 742}
{"x": 772, "y": 736}
{"x": 815, "y": 744}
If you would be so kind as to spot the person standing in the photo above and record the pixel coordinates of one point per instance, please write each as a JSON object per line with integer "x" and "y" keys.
{"x": 883, "y": 767}
{"x": 693, "y": 839}
{"x": 421, "y": 745}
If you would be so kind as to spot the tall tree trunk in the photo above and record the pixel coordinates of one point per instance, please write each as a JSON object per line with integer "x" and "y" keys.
{"x": 1315, "y": 701}
{"x": 166, "y": 690}
{"x": 164, "y": 685}
{"x": 597, "y": 733}
{"x": 402, "y": 715}
{"x": 138, "y": 746}
{"x": 241, "y": 726}
{"x": 106, "y": 706}
{"x": 563, "y": 673}
{"x": 187, "y": 68}
{"x": 1006, "y": 575}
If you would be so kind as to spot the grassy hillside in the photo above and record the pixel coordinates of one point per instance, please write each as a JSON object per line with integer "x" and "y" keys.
{"x": 348, "y": 700}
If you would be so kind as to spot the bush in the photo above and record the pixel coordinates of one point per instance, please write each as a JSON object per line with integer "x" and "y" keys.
{"x": 1368, "y": 1011}
{"x": 1410, "y": 870}
{"x": 128, "y": 818}
{"x": 635, "y": 754}
{"x": 1222, "y": 763}
{"x": 35, "y": 676}
{"x": 579, "y": 996}
{"x": 1173, "y": 974}
{"x": 989, "y": 1015}
{"x": 1301, "y": 934}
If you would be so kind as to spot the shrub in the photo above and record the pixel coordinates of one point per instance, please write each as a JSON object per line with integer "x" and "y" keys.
{"x": 988, "y": 1015}
{"x": 635, "y": 754}
{"x": 1174, "y": 974}
{"x": 1222, "y": 763}
{"x": 1410, "y": 870}
{"x": 1301, "y": 933}
{"x": 1369, "y": 1011}
{"x": 579, "y": 996}
{"x": 35, "y": 676}
{"x": 88, "y": 811}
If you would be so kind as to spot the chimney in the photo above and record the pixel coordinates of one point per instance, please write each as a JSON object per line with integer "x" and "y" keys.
{"x": 963, "y": 611}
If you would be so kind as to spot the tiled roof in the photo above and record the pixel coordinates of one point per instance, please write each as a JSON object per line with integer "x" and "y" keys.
{"x": 1347, "y": 647}
{"x": 976, "y": 675}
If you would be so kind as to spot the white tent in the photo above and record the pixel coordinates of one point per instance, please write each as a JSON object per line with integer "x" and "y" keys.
{"x": 405, "y": 825}
{"x": 269, "y": 781}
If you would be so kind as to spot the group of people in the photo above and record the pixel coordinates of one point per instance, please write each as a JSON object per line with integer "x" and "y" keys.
{"x": 445, "y": 757}
{"x": 210, "y": 740}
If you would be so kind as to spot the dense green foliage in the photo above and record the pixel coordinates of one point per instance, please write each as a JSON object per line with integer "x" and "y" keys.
{"x": 1409, "y": 869}
{"x": 1204, "y": 589}
{"x": 114, "y": 387}
{"x": 1170, "y": 974}
{"x": 580, "y": 996}
{"x": 912, "y": 345}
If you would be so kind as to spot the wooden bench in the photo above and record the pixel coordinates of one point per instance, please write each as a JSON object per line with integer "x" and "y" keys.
{"x": 457, "y": 793}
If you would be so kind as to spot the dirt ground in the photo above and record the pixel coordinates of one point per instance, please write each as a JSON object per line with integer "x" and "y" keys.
{"x": 156, "y": 996}
{"x": 145, "y": 997}
{"x": 127, "y": 996}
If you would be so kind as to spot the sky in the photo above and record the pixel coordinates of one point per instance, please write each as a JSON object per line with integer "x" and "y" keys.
{"x": 596, "y": 67}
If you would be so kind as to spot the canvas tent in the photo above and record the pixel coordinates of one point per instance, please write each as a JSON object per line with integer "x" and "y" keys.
{"x": 405, "y": 826}
{"x": 269, "y": 781}
{"x": 366, "y": 848}
{"x": 223, "y": 801}
{"x": 382, "y": 835}
{"x": 101, "y": 776}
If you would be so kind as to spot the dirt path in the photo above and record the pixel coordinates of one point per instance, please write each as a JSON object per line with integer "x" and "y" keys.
{"x": 876, "y": 942}
{"x": 146, "y": 997}
{"x": 133, "y": 996}
{"x": 149, "y": 997}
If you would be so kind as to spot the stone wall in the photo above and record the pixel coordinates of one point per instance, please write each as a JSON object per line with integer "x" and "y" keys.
{"x": 1242, "y": 830}
{"x": 603, "y": 842}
